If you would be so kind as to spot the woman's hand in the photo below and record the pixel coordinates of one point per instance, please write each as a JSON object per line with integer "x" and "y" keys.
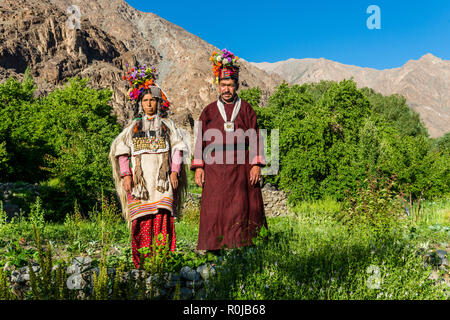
{"x": 127, "y": 183}
{"x": 200, "y": 177}
{"x": 174, "y": 180}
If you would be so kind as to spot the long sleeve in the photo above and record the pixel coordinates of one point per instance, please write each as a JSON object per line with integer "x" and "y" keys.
{"x": 124, "y": 164}
{"x": 256, "y": 151}
{"x": 198, "y": 162}
{"x": 177, "y": 160}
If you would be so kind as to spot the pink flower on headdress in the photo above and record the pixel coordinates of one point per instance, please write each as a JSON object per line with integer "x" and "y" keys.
{"x": 134, "y": 94}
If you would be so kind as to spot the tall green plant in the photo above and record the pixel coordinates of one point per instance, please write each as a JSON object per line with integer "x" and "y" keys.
{"x": 37, "y": 213}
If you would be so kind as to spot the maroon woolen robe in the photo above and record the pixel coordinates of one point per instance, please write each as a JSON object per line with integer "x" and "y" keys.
{"x": 232, "y": 210}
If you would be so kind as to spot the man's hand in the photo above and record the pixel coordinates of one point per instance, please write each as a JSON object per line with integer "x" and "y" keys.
{"x": 174, "y": 180}
{"x": 126, "y": 183}
{"x": 255, "y": 173}
{"x": 200, "y": 177}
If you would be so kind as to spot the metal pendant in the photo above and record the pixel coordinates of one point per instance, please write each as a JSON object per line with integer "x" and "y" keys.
{"x": 228, "y": 126}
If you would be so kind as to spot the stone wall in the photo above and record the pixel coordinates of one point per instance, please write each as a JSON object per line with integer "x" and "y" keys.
{"x": 275, "y": 201}
{"x": 10, "y": 190}
{"x": 192, "y": 282}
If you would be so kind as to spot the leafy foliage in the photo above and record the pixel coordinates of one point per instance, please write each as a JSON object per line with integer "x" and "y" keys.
{"x": 333, "y": 134}
{"x": 64, "y": 136}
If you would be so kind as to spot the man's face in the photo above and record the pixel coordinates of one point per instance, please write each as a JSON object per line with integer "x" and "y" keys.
{"x": 149, "y": 104}
{"x": 227, "y": 89}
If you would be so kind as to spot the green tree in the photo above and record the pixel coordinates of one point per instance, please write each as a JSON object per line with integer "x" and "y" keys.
{"x": 76, "y": 122}
{"x": 64, "y": 136}
{"x": 332, "y": 137}
{"x": 395, "y": 109}
{"x": 252, "y": 96}
{"x": 21, "y": 150}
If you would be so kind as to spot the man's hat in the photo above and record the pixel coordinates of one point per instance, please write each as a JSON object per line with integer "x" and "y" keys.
{"x": 225, "y": 65}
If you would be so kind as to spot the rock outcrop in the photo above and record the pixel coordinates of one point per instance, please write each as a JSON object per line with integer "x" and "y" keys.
{"x": 108, "y": 35}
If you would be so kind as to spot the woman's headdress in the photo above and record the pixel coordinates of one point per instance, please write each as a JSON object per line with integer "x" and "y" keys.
{"x": 225, "y": 65}
{"x": 142, "y": 78}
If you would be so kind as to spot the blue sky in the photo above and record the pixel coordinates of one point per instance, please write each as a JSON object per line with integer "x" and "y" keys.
{"x": 337, "y": 30}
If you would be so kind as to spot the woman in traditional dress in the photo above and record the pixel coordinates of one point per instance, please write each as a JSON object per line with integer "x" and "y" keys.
{"x": 147, "y": 162}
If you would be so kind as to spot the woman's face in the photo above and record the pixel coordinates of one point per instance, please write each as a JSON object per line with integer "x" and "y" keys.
{"x": 149, "y": 104}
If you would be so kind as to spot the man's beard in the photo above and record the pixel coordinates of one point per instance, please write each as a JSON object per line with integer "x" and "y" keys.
{"x": 230, "y": 100}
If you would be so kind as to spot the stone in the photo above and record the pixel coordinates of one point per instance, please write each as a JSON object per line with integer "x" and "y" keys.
{"x": 8, "y": 266}
{"x": 206, "y": 271}
{"x": 26, "y": 269}
{"x": 186, "y": 293}
{"x": 434, "y": 275}
{"x": 81, "y": 264}
{"x": 441, "y": 256}
{"x": 194, "y": 284}
{"x": 160, "y": 293}
{"x": 189, "y": 274}
{"x": 15, "y": 276}
{"x": 170, "y": 284}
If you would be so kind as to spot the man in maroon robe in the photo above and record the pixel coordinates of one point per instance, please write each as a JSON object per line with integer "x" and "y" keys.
{"x": 227, "y": 159}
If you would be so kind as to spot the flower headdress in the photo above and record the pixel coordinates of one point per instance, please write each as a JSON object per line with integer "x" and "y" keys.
{"x": 225, "y": 64}
{"x": 140, "y": 79}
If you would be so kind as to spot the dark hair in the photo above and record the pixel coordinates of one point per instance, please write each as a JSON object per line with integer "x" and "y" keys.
{"x": 162, "y": 113}
{"x": 142, "y": 94}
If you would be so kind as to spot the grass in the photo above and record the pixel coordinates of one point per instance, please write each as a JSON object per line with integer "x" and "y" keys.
{"x": 313, "y": 257}
{"x": 433, "y": 212}
{"x": 308, "y": 255}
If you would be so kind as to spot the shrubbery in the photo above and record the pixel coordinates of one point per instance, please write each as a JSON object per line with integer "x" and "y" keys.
{"x": 333, "y": 135}
{"x": 61, "y": 140}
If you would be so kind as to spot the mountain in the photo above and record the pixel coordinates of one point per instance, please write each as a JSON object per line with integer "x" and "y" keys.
{"x": 425, "y": 83}
{"x": 112, "y": 34}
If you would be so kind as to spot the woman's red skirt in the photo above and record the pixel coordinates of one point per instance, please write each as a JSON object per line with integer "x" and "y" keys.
{"x": 145, "y": 230}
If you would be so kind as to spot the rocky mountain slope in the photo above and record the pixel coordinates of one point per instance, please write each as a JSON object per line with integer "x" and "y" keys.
{"x": 425, "y": 83}
{"x": 111, "y": 35}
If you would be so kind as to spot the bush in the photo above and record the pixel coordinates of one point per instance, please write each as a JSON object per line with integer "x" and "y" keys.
{"x": 64, "y": 137}
{"x": 331, "y": 132}
{"x": 374, "y": 205}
